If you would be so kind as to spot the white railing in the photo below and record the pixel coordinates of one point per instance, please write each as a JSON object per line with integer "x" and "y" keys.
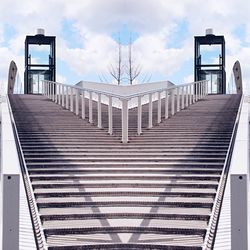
{"x": 178, "y": 96}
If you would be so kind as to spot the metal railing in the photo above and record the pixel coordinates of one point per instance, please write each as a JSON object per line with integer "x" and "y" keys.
{"x": 179, "y": 97}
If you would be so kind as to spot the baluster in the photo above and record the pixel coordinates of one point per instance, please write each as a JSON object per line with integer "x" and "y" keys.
{"x": 110, "y": 113}
{"x": 159, "y": 108}
{"x": 90, "y": 108}
{"x": 172, "y": 102}
{"x": 77, "y": 101}
{"x": 124, "y": 121}
{"x": 150, "y": 111}
{"x": 139, "y": 120}
{"x": 99, "y": 112}
{"x": 166, "y": 104}
{"x": 83, "y": 105}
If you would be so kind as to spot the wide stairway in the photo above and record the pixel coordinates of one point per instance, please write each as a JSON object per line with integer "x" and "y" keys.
{"x": 94, "y": 192}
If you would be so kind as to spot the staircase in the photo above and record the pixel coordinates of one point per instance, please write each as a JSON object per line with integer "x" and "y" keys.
{"x": 94, "y": 192}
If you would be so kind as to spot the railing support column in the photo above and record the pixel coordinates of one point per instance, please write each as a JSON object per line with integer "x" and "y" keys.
{"x": 77, "y": 101}
{"x": 62, "y": 96}
{"x": 67, "y": 97}
{"x": 190, "y": 94}
{"x": 110, "y": 114}
{"x": 166, "y": 104}
{"x": 178, "y": 99}
{"x": 159, "y": 108}
{"x": 124, "y": 121}
{"x": 90, "y": 108}
{"x": 71, "y": 99}
{"x": 172, "y": 102}
{"x": 182, "y": 98}
{"x": 99, "y": 111}
{"x": 139, "y": 122}
{"x": 150, "y": 111}
{"x": 83, "y": 105}
{"x": 59, "y": 94}
{"x": 186, "y": 96}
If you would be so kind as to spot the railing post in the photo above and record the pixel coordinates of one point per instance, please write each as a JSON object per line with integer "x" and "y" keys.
{"x": 59, "y": 94}
{"x": 99, "y": 111}
{"x": 62, "y": 95}
{"x": 83, "y": 105}
{"x": 172, "y": 102}
{"x": 193, "y": 91}
{"x": 90, "y": 108}
{"x": 150, "y": 111}
{"x": 124, "y": 121}
{"x": 71, "y": 99}
{"x": 190, "y": 94}
{"x": 178, "y": 99}
{"x": 186, "y": 96}
{"x": 77, "y": 101}
{"x": 166, "y": 104}
{"x": 196, "y": 92}
{"x": 139, "y": 122}
{"x": 159, "y": 108}
{"x": 110, "y": 114}
{"x": 67, "y": 97}
{"x": 52, "y": 92}
{"x": 56, "y": 92}
{"x": 49, "y": 90}
{"x": 182, "y": 98}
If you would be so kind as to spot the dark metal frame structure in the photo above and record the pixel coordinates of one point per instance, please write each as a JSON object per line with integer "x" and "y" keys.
{"x": 201, "y": 70}
{"x": 48, "y": 70}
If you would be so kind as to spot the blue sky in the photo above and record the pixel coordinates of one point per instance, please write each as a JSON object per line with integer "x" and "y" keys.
{"x": 87, "y": 32}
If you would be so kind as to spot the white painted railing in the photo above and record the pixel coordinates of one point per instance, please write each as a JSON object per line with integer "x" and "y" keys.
{"x": 178, "y": 96}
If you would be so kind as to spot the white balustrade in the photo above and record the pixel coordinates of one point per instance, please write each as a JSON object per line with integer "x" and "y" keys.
{"x": 159, "y": 108}
{"x": 90, "y": 108}
{"x": 166, "y": 104}
{"x": 178, "y": 97}
{"x": 150, "y": 111}
{"x": 139, "y": 118}
{"x": 99, "y": 111}
{"x": 83, "y": 105}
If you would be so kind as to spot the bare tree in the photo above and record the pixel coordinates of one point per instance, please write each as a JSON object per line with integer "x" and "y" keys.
{"x": 133, "y": 70}
{"x": 116, "y": 71}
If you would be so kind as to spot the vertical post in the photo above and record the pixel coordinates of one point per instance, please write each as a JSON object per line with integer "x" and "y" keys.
{"x": 190, "y": 94}
{"x": 193, "y": 91}
{"x": 71, "y": 99}
{"x": 150, "y": 111}
{"x": 139, "y": 121}
{"x": 77, "y": 101}
{"x": 196, "y": 92}
{"x": 43, "y": 83}
{"x": 99, "y": 112}
{"x": 124, "y": 121}
{"x": 53, "y": 92}
{"x": 178, "y": 99}
{"x": 159, "y": 108}
{"x": 62, "y": 95}
{"x": 90, "y": 108}
{"x": 59, "y": 94}
{"x": 110, "y": 113}
{"x": 49, "y": 90}
{"x": 67, "y": 97}
{"x": 182, "y": 98}
{"x": 186, "y": 95}
{"x": 166, "y": 104}
{"x": 83, "y": 105}
{"x": 56, "y": 93}
{"x": 172, "y": 101}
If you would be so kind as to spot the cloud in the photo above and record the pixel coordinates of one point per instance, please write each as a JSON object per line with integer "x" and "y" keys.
{"x": 165, "y": 32}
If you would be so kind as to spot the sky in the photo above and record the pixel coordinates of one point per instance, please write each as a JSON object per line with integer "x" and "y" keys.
{"x": 162, "y": 33}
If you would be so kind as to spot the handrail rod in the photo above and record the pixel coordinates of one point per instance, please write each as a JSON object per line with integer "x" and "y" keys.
{"x": 128, "y": 97}
{"x": 33, "y": 209}
{"x": 213, "y": 222}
